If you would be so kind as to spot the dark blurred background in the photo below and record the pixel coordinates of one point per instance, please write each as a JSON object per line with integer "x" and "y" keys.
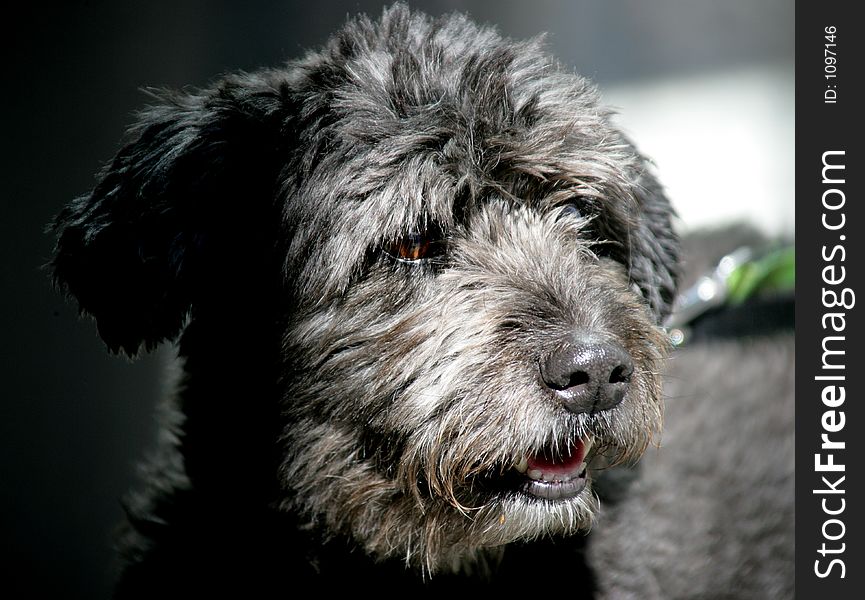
{"x": 698, "y": 78}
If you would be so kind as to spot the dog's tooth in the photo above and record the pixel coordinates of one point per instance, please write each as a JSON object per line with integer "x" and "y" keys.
{"x": 587, "y": 444}
{"x": 523, "y": 465}
{"x": 536, "y": 474}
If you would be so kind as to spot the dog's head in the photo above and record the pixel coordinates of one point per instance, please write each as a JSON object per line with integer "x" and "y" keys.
{"x": 468, "y": 262}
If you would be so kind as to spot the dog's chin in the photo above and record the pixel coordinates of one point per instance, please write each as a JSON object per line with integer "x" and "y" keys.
{"x": 523, "y": 510}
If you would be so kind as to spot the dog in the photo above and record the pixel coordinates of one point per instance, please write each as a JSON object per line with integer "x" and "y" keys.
{"x": 416, "y": 281}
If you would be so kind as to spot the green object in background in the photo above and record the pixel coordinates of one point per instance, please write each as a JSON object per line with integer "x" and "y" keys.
{"x": 774, "y": 273}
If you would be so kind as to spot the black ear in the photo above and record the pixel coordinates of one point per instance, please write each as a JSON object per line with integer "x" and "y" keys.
{"x": 136, "y": 249}
{"x": 654, "y": 246}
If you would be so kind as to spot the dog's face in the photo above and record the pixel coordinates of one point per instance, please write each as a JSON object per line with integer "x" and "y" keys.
{"x": 470, "y": 264}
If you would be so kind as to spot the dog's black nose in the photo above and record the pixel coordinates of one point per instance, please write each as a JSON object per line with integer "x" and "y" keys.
{"x": 588, "y": 375}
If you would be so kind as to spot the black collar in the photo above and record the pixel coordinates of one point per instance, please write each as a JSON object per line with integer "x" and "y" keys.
{"x": 754, "y": 317}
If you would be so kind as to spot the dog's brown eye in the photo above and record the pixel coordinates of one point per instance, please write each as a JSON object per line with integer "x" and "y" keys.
{"x": 417, "y": 246}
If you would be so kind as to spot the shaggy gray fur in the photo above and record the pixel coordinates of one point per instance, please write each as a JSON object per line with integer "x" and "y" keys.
{"x": 340, "y": 401}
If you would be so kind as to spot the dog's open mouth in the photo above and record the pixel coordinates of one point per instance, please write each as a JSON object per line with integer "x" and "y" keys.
{"x": 551, "y": 477}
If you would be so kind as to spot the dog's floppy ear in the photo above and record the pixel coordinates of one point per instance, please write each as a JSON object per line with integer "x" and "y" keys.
{"x": 654, "y": 245}
{"x": 134, "y": 251}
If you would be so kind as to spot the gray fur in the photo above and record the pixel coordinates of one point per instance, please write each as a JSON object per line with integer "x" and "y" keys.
{"x": 451, "y": 377}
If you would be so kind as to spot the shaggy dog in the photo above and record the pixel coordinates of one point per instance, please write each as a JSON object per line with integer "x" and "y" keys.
{"x": 416, "y": 279}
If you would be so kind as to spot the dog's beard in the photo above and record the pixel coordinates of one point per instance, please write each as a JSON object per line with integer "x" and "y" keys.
{"x": 412, "y": 424}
